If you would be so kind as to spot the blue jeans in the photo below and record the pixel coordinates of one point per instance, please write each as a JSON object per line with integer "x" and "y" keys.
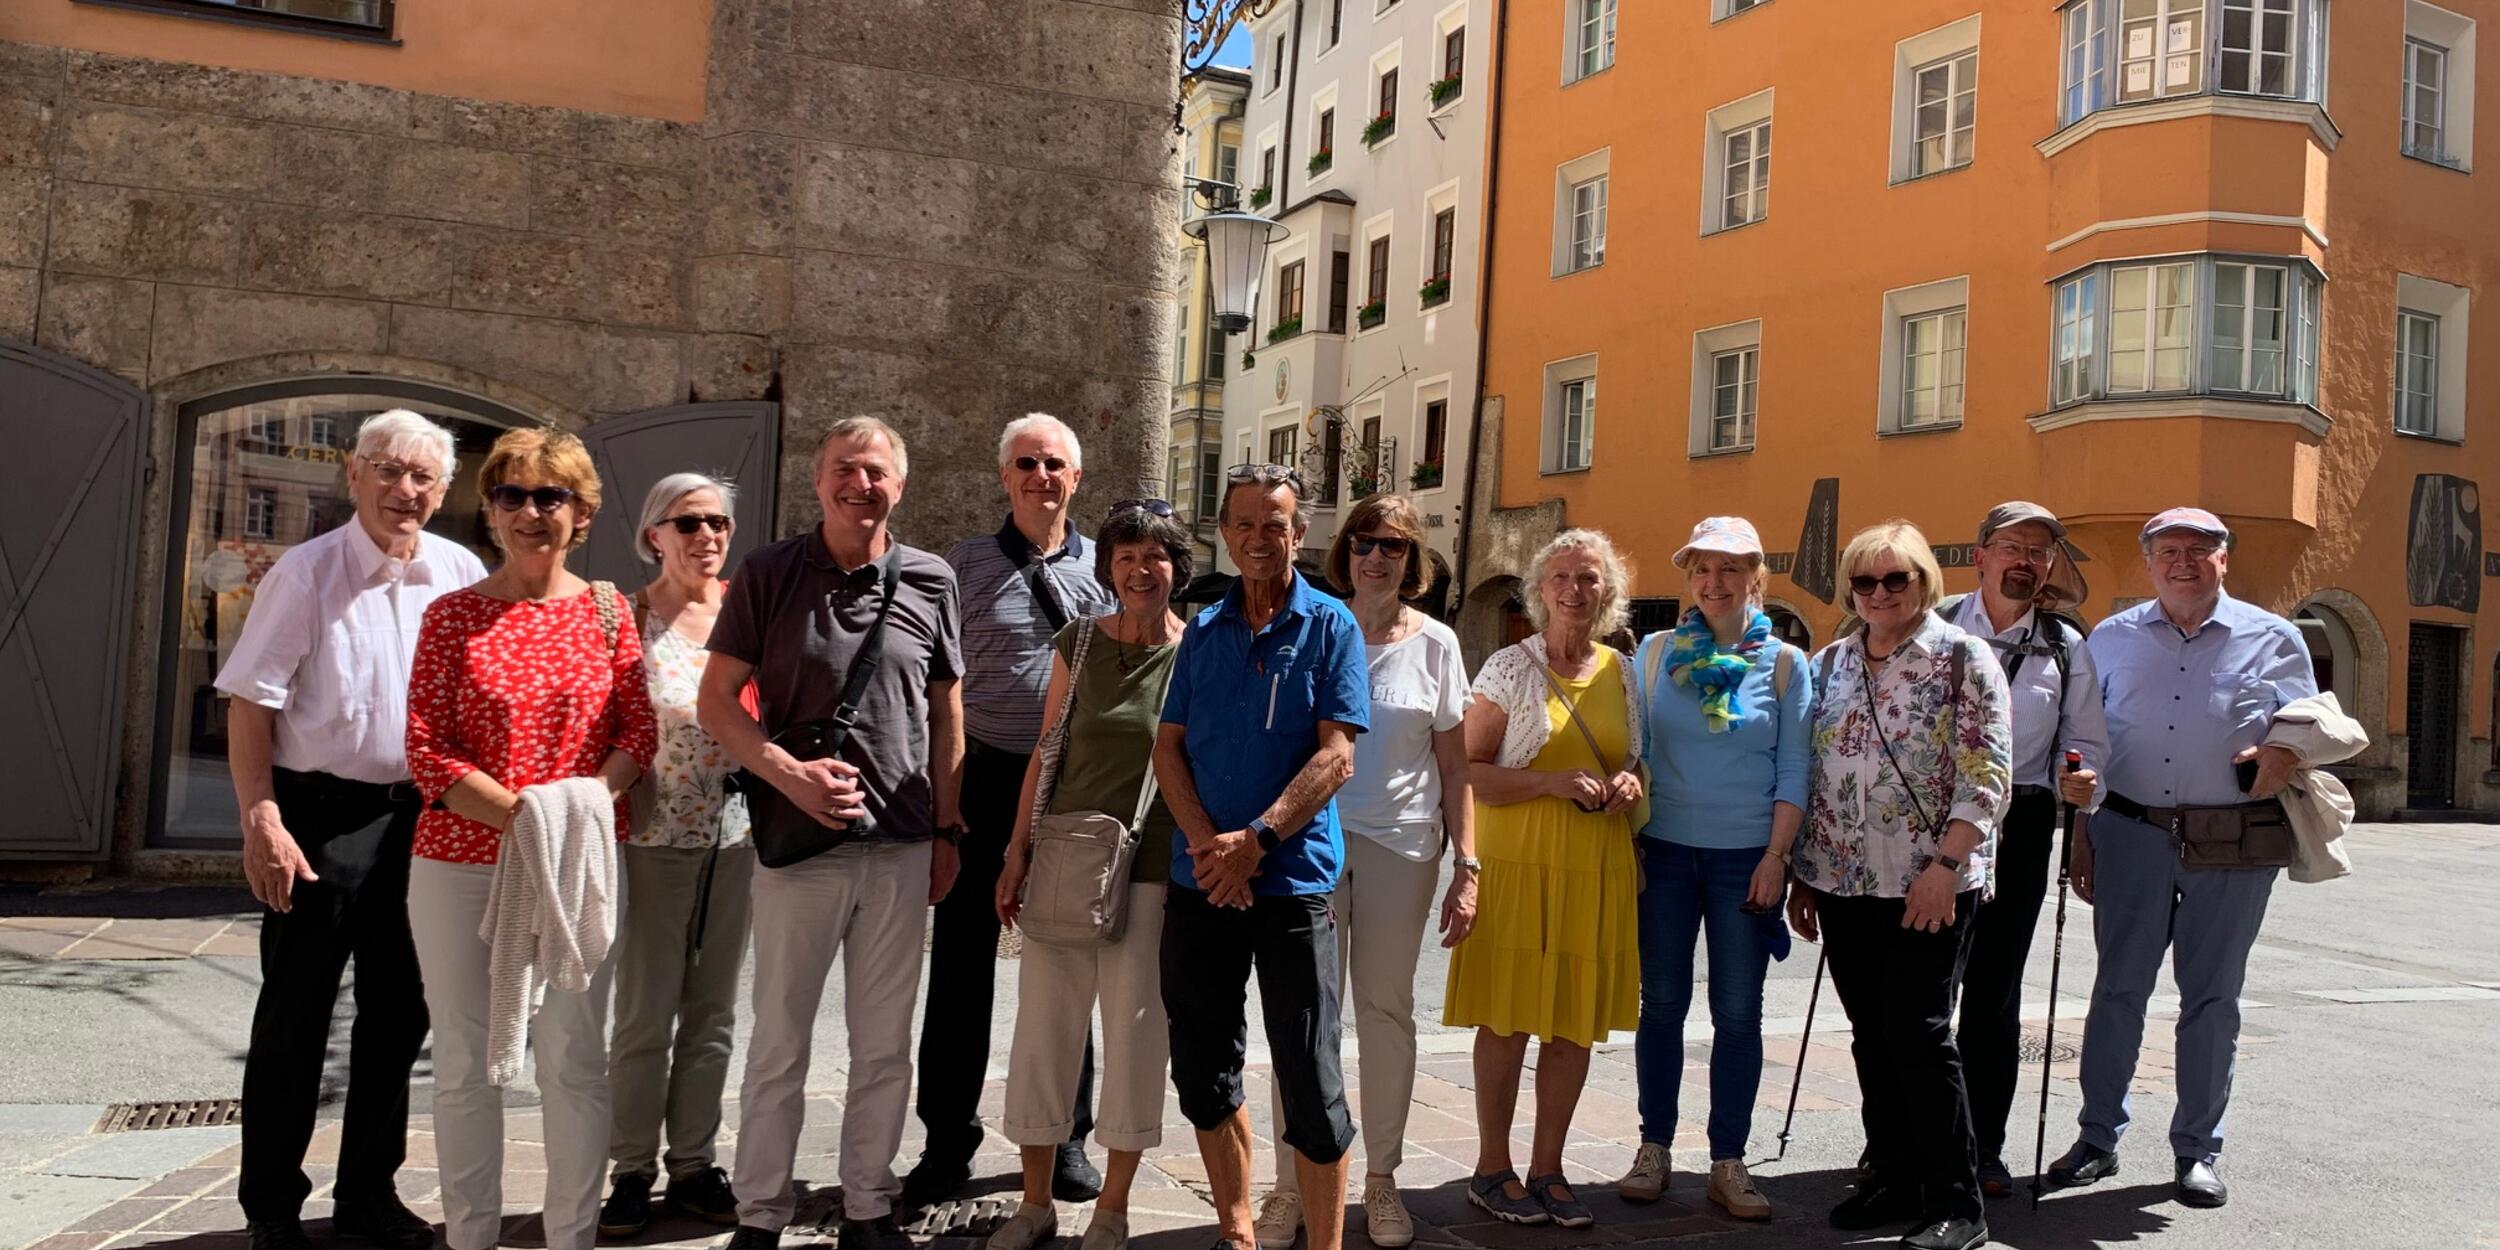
{"x": 1690, "y": 888}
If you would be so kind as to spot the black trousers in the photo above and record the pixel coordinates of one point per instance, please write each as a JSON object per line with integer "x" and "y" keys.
{"x": 1897, "y": 986}
{"x": 356, "y": 835}
{"x": 1207, "y": 957}
{"x": 1992, "y": 981}
{"x": 963, "y": 969}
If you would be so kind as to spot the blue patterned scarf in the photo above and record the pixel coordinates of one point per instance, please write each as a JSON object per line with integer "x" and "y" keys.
{"x": 1695, "y": 659}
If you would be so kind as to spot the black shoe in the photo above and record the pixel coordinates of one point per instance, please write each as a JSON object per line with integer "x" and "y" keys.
{"x": 704, "y": 1195}
{"x": 932, "y": 1182}
{"x": 2082, "y": 1165}
{"x": 278, "y": 1235}
{"x": 382, "y": 1220}
{"x": 1877, "y": 1206}
{"x": 1954, "y": 1232}
{"x": 628, "y": 1209}
{"x": 1994, "y": 1180}
{"x": 1865, "y": 1171}
{"x": 747, "y": 1238}
{"x": 2200, "y": 1185}
{"x": 880, "y": 1233}
{"x": 1074, "y": 1178}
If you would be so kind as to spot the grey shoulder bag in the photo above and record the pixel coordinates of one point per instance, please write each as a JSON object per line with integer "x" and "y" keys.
{"x": 1076, "y": 882}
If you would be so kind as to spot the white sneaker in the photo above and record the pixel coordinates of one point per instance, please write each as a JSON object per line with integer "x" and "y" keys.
{"x": 1732, "y": 1187}
{"x": 1107, "y": 1231}
{"x": 1030, "y": 1226}
{"x": 1384, "y": 1215}
{"x": 1648, "y": 1177}
{"x": 1280, "y": 1220}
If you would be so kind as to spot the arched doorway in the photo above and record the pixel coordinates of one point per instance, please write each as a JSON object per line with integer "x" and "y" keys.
{"x": 1788, "y": 626}
{"x": 258, "y": 470}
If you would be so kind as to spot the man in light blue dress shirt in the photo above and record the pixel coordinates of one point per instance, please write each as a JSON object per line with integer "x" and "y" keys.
{"x": 2191, "y": 681}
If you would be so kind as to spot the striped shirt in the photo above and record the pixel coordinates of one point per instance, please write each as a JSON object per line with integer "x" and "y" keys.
{"x": 1006, "y": 634}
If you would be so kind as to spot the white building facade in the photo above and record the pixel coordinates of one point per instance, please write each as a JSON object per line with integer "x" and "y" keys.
{"x": 1364, "y": 135}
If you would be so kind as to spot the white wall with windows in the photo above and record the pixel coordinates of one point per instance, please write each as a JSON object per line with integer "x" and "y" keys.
{"x": 1926, "y": 337}
{"x": 2430, "y": 358}
{"x": 1736, "y": 163}
{"x": 1935, "y": 100}
{"x": 2437, "y": 114}
{"x": 1727, "y": 388}
{"x": 1570, "y": 414}
{"x": 2242, "y": 326}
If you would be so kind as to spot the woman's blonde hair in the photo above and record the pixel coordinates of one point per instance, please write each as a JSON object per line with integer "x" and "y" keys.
{"x": 1394, "y": 513}
{"x": 1906, "y": 544}
{"x": 1616, "y": 612}
{"x": 548, "y": 458}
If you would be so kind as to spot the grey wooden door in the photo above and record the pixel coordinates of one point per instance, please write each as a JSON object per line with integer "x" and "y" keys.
{"x": 69, "y": 515}
{"x": 740, "y": 442}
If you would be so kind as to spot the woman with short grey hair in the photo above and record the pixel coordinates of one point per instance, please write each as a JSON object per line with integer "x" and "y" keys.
{"x": 687, "y": 863}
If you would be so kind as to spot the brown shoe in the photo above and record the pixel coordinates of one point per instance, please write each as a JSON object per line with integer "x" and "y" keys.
{"x": 1732, "y": 1187}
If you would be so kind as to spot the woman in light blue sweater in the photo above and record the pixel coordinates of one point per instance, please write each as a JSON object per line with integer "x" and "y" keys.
{"x": 1727, "y": 706}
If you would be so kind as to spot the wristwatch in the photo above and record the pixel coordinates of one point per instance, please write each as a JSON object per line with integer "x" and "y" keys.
{"x": 1264, "y": 833}
{"x": 952, "y": 835}
{"x": 1948, "y": 862}
{"x": 1468, "y": 862}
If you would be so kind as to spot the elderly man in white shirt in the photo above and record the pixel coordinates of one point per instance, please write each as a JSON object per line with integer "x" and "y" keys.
{"x": 316, "y": 738}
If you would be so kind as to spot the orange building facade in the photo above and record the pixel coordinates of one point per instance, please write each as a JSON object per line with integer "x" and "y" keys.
{"x": 1820, "y": 265}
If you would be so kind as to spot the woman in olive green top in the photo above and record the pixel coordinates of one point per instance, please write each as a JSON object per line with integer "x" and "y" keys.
{"x": 1142, "y": 553}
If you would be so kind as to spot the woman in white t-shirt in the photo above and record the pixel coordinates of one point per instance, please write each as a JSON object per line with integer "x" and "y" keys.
{"x": 1409, "y": 797}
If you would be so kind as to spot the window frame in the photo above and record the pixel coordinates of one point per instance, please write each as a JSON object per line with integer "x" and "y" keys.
{"x": 1586, "y": 248}
{"x": 383, "y": 29}
{"x": 1961, "y": 70}
{"x": 2426, "y": 401}
{"x": 1591, "y": 44}
{"x": 2410, "y": 120}
{"x": 260, "y": 514}
{"x": 2085, "y": 317}
{"x": 1377, "y": 253}
{"x": 1756, "y": 163}
{"x": 1952, "y": 360}
{"x": 2095, "y": 53}
{"x": 1292, "y": 280}
{"x": 1746, "y": 388}
{"x": 1565, "y": 448}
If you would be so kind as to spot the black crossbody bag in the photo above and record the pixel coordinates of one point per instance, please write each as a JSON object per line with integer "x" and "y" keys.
{"x": 784, "y": 833}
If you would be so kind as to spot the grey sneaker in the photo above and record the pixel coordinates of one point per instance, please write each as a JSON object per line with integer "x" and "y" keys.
{"x": 1648, "y": 1177}
{"x": 1384, "y": 1215}
{"x": 1032, "y": 1225}
{"x": 1107, "y": 1231}
{"x": 1280, "y": 1220}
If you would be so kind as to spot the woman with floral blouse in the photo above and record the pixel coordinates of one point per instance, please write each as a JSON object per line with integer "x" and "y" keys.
{"x": 522, "y": 679}
{"x": 1911, "y": 768}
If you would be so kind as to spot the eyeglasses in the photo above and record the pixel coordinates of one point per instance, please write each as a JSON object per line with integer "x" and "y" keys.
{"x": 1265, "y": 475}
{"x": 1151, "y": 507}
{"x": 390, "y": 471}
{"x": 2189, "y": 553}
{"x": 1365, "y": 544}
{"x": 2042, "y": 556}
{"x": 1026, "y": 464}
{"x": 690, "y": 522}
{"x": 1895, "y": 581}
{"x": 548, "y": 498}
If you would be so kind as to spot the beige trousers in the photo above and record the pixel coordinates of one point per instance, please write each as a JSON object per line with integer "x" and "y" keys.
{"x": 1056, "y": 989}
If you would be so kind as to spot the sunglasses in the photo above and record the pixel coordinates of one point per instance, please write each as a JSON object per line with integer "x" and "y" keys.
{"x": 1365, "y": 544}
{"x": 548, "y": 498}
{"x": 1151, "y": 507}
{"x": 1895, "y": 581}
{"x": 1026, "y": 464}
{"x": 1268, "y": 474}
{"x": 690, "y": 522}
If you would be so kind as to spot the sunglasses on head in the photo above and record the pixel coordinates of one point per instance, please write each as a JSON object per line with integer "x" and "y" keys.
{"x": 1365, "y": 544}
{"x": 548, "y": 498}
{"x": 1895, "y": 581}
{"x": 1151, "y": 507}
{"x": 692, "y": 521}
{"x": 1026, "y": 464}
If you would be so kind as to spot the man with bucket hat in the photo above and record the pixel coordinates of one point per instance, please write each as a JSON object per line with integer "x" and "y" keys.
{"x": 2188, "y": 841}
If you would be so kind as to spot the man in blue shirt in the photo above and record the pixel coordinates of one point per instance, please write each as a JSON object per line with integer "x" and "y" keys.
{"x": 1268, "y": 690}
{"x": 2191, "y": 681}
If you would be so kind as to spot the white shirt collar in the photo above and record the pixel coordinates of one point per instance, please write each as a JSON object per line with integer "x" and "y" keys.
{"x": 371, "y": 562}
{"x": 1974, "y": 620}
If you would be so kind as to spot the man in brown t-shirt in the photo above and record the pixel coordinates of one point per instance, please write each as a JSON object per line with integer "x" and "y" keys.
{"x": 797, "y": 612}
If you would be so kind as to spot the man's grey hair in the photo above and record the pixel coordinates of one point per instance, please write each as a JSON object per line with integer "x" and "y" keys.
{"x": 1267, "y": 477}
{"x": 864, "y": 426}
{"x": 664, "y": 495}
{"x": 399, "y": 434}
{"x": 1039, "y": 423}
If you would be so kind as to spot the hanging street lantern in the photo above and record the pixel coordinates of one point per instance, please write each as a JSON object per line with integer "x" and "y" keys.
{"x": 1237, "y": 243}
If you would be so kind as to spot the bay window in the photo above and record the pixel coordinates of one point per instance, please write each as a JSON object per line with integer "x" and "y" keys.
{"x": 2119, "y": 52}
{"x": 2223, "y": 325}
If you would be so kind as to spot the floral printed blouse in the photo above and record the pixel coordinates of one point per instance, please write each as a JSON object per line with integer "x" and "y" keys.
{"x": 689, "y": 808}
{"x": 1862, "y": 834}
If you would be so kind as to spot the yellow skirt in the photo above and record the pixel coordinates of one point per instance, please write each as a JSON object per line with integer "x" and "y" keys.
{"x": 1556, "y": 948}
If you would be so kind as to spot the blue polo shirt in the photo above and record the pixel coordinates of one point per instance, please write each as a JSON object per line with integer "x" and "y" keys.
{"x": 2181, "y": 705}
{"x": 1252, "y": 703}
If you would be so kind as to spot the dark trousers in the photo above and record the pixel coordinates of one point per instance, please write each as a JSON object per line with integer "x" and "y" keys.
{"x": 963, "y": 969}
{"x": 1897, "y": 987}
{"x": 1208, "y": 955}
{"x": 356, "y": 837}
{"x": 1992, "y": 981}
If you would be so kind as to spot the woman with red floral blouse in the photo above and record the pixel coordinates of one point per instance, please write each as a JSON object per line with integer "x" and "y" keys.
{"x": 519, "y": 680}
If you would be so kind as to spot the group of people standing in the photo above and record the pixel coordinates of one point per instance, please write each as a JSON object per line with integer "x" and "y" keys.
{"x": 521, "y": 791}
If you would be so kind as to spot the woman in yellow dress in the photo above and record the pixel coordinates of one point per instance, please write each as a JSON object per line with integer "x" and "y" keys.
{"x": 1555, "y": 955}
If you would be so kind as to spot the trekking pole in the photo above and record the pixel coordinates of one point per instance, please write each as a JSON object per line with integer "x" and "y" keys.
{"x": 1800, "y": 1078}
{"x": 2069, "y": 818}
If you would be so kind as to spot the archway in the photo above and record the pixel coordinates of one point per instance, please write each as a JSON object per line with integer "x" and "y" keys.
{"x": 2348, "y": 654}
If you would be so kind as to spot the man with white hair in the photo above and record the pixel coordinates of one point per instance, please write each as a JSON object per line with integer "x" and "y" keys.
{"x": 319, "y": 681}
{"x": 1018, "y": 588}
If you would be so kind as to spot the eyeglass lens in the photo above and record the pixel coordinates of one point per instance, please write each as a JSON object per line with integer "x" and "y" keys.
{"x": 548, "y": 498}
{"x": 1027, "y": 464}
{"x": 689, "y": 523}
{"x": 1895, "y": 581}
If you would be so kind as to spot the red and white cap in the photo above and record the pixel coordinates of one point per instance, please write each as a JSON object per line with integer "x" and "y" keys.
{"x": 2196, "y": 519}
{"x": 1726, "y": 535}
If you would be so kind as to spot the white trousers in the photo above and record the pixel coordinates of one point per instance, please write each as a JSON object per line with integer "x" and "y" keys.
{"x": 1383, "y": 901}
{"x": 568, "y": 1038}
{"x": 869, "y": 904}
{"x": 1056, "y": 988}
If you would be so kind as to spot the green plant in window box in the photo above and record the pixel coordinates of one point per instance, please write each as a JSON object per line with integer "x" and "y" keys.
{"x": 1248, "y": 361}
{"x": 1425, "y": 475}
{"x": 1442, "y": 91}
{"x": 1436, "y": 291}
{"x": 1284, "y": 329}
{"x": 1365, "y": 483}
{"x": 1379, "y": 128}
{"x": 1260, "y": 197}
{"x": 1370, "y": 314}
{"x": 1320, "y": 160}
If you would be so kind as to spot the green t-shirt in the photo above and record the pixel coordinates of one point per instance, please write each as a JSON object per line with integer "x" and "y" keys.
{"x": 1119, "y": 704}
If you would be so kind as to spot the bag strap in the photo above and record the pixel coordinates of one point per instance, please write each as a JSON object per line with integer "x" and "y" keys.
{"x": 1035, "y": 581}
{"x": 871, "y": 651}
{"x": 603, "y": 599}
{"x": 1954, "y": 673}
{"x": 1573, "y": 709}
{"x": 1054, "y": 747}
{"x": 1781, "y": 670}
{"x": 1653, "y": 654}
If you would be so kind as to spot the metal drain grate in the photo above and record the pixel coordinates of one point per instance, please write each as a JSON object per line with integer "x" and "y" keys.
{"x": 2069, "y": 1047}
{"x": 139, "y": 1117}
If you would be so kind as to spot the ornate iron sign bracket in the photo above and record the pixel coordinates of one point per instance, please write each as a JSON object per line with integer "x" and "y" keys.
{"x": 1206, "y": 23}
